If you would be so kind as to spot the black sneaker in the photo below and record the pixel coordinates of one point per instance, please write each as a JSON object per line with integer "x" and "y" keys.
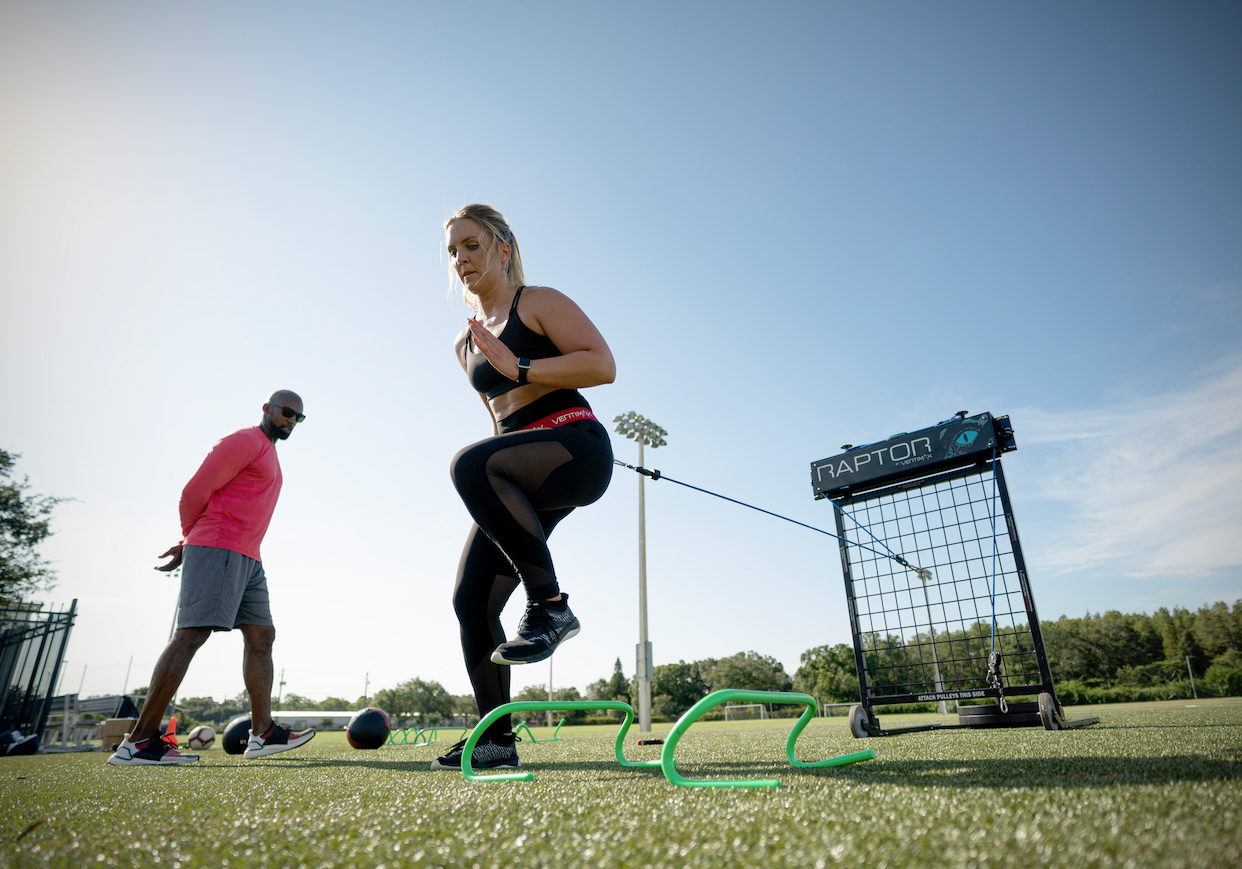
{"x": 541, "y": 630}
{"x": 277, "y": 738}
{"x": 152, "y": 751}
{"x": 488, "y": 753}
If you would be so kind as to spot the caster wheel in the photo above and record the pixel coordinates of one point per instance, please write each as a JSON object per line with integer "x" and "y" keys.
{"x": 859, "y": 722}
{"x": 1048, "y": 712}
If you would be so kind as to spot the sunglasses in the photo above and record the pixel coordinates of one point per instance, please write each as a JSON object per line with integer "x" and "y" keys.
{"x": 290, "y": 414}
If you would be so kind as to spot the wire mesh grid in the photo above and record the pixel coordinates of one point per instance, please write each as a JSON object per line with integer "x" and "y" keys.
{"x": 923, "y": 637}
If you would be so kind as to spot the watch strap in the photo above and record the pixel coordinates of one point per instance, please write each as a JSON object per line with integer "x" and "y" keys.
{"x": 523, "y": 369}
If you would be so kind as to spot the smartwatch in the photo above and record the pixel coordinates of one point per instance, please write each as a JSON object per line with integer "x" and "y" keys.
{"x": 523, "y": 369}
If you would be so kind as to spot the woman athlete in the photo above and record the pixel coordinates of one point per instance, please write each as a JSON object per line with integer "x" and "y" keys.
{"x": 526, "y": 352}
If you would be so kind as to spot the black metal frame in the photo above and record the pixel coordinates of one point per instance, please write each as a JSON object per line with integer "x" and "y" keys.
{"x": 32, "y": 650}
{"x": 881, "y": 593}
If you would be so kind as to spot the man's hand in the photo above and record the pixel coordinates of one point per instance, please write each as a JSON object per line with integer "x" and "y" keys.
{"x": 175, "y": 552}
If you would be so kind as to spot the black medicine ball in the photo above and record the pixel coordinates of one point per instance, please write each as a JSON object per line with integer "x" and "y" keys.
{"x": 236, "y": 735}
{"x": 368, "y": 728}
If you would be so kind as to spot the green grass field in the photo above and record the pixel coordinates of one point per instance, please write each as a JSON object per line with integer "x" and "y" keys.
{"x": 1152, "y": 785}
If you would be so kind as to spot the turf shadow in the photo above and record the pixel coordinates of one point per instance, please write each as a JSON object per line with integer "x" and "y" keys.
{"x": 1100, "y": 727}
{"x": 315, "y": 763}
{"x": 1065, "y": 772}
{"x": 423, "y": 765}
{"x": 305, "y": 765}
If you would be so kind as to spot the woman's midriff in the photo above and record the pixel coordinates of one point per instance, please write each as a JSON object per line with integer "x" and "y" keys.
{"x": 553, "y": 410}
{"x": 509, "y": 403}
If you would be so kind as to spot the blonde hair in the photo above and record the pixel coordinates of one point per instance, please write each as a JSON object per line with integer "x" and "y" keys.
{"x": 494, "y": 224}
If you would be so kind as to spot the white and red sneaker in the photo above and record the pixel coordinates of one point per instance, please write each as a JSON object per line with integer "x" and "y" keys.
{"x": 152, "y": 751}
{"x": 276, "y": 738}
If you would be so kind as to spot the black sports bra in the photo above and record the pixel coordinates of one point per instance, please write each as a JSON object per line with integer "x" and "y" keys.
{"x": 518, "y": 338}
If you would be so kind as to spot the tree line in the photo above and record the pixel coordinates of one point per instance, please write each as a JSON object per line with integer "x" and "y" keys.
{"x": 1100, "y": 658}
{"x": 25, "y": 522}
{"x": 411, "y": 702}
{"x": 193, "y": 711}
{"x": 675, "y": 688}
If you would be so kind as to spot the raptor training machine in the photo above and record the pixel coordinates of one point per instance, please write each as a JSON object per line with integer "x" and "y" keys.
{"x": 939, "y": 598}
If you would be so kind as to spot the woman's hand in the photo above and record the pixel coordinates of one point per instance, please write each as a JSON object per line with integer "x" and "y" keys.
{"x": 493, "y": 349}
{"x": 585, "y": 359}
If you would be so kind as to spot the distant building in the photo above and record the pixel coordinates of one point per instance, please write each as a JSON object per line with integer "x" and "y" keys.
{"x": 301, "y": 720}
{"x": 313, "y": 718}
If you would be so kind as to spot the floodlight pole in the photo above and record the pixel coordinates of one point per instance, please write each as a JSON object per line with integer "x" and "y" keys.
{"x": 645, "y": 664}
{"x": 644, "y": 431}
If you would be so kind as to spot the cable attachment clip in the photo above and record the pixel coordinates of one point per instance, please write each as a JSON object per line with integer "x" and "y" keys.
{"x": 655, "y": 475}
{"x": 994, "y": 678}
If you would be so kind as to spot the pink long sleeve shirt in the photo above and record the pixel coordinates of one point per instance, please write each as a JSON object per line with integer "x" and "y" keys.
{"x": 229, "y": 502}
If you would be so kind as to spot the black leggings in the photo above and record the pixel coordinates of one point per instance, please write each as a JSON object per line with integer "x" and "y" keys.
{"x": 517, "y": 487}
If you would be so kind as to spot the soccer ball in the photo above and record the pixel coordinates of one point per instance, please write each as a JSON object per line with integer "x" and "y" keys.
{"x": 201, "y": 737}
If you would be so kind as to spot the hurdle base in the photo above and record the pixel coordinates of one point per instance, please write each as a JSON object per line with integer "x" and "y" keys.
{"x": 809, "y": 704}
{"x": 467, "y": 769}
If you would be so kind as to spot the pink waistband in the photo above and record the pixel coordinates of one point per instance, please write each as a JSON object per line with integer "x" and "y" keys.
{"x": 560, "y": 418}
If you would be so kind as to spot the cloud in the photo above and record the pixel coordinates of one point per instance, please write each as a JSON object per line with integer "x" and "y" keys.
{"x": 1152, "y": 486}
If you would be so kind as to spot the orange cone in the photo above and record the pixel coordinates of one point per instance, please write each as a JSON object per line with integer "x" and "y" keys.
{"x": 170, "y": 735}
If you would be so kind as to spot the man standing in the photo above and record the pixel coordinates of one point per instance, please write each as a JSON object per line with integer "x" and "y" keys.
{"x": 225, "y": 511}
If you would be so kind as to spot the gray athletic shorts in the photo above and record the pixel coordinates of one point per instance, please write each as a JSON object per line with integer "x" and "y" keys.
{"x": 221, "y": 589}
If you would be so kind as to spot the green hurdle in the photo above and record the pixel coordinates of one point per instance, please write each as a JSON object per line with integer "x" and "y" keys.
{"x": 421, "y": 735}
{"x": 553, "y": 738}
{"x": 401, "y": 736}
{"x": 467, "y": 769}
{"x": 729, "y": 695}
{"x": 667, "y": 762}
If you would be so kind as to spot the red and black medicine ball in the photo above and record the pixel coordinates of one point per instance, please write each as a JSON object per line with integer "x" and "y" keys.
{"x": 236, "y": 735}
{"x": 368, "y": 728}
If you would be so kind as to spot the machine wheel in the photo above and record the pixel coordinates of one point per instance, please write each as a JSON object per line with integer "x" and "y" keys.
{"x": 1048, "y": 712}
{"x": 859, "y": 722}
{"x": 990, "y": 715}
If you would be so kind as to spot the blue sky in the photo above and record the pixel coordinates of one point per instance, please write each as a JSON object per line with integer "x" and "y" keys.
{"x": 797, "y": 225}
